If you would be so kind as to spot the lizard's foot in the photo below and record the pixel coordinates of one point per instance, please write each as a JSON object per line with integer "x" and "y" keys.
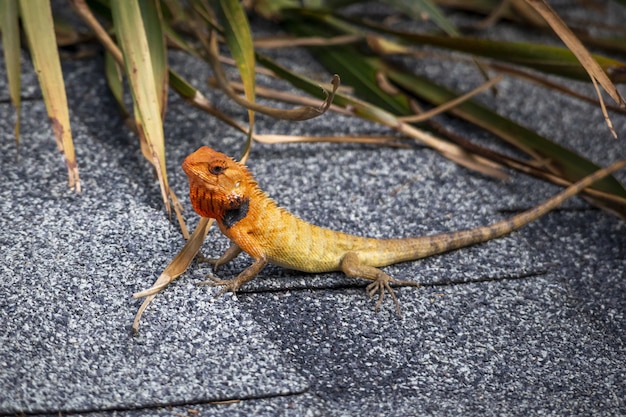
{"x": 382, "y": 283}
{"x": 380, "y": 286}
{"x": 228, "y": 285}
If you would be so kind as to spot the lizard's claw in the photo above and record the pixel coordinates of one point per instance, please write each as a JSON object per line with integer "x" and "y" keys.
{"x": 201, "y": 259}
{"x": 382, "y": 284}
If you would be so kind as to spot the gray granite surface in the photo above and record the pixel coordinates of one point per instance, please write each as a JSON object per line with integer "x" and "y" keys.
{"x": 530, "y": 324}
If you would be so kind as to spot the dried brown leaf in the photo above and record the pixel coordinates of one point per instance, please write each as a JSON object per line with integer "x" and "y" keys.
{"x": 175, "y": 268}
{"x": 301, "y": 113}
{"x": 598, "y": 76}
{"x": 452, "y": 103}
{"x": 364, "y": 139}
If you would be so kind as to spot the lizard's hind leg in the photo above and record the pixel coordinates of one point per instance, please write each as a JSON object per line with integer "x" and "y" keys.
{"x": 352, "y": 267}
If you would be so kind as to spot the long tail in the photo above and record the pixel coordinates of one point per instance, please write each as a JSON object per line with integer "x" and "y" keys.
{"x": 401, "y": 250}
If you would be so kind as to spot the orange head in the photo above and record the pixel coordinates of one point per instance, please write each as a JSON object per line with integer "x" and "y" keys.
{"x": 219, "y": 187}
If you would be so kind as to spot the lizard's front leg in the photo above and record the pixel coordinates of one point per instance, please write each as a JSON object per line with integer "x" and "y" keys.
{"x": 353, "y": 267}
{"x": 230, "y": 254}
{"x": 233, "y": 285}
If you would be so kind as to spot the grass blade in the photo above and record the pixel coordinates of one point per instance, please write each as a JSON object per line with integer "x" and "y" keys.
{"x": 560, "y": 160}
{"x": 545, "y": 58}
{"x": 236, "y": 30}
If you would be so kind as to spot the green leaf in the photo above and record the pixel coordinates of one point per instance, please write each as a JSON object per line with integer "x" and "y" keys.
{"x": 361, "y": 72}
{"x": 415, "y": 9}
{"x": 561, "y": 160}
{"x": 371, "y": 112}
{"x": 181, "y": 86}
{"x": 546, "y": 58}
{"x": 361, "y": 75}
{"x": 236, "y": 30}
{"x": 114, "y": 81}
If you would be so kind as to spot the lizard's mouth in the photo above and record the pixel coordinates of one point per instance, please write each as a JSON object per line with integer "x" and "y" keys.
{"x": 197, "y": 174}
{"x": 189, "y": 168}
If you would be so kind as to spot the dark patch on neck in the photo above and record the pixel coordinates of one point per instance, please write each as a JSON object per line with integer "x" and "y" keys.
{"x": 236, "y": 213}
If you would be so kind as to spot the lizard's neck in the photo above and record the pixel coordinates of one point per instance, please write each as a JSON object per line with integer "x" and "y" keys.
{"x": 227, "y": 209}
{"x": 203, "y": 202}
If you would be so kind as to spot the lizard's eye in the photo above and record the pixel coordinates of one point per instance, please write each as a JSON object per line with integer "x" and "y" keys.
{"x": 217, "y": 169}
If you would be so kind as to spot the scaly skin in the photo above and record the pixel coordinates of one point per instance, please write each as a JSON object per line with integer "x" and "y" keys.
{"x": 225, "y": 190}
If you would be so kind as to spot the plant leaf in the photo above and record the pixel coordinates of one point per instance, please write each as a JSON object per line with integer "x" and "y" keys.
{"x": 236, "y": 29}
{"x": 546, "y": 58}
{"x": 175, "y": 268}
{"x": 151, "y": 15}
{"x": 113, "y": 75}
{"x": 597, "y": 75}
{"x": 416, "y": 9}
{"x": 133, "y": 42}
{"x": 11, "y": 45}
{"x": 371, "y": 112}
{"x": 550, "y": 59}
{"x": 39, "y": 29}
{"x": 560, "y": 160}
{"x": 361, "y": 72}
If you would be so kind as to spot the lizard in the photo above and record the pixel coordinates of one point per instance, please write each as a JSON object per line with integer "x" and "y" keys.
{"x": 225, "y": 190}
